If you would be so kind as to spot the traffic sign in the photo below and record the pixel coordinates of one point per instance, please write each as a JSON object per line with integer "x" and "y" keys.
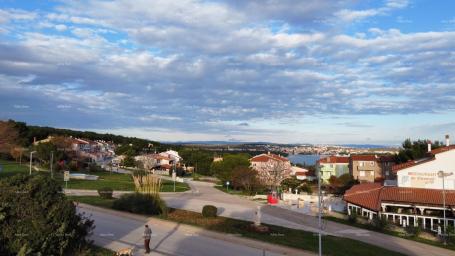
{"x": 66, "y": 176}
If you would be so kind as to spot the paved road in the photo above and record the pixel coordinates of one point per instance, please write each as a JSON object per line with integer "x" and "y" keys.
{"x": 117, "y": 230}
{"x": 203, "y": 193}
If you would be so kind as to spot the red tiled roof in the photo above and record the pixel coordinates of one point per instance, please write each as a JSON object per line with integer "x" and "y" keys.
{"x": 364, "y": 158}
{"x": 365, "y": 195}
{"x": 442, "y": 149}
{"x": 267, "y": 157}
{"x": 300, "y": 173}
{"x": 335, "y": 160}
{"x": 370, "y": 196}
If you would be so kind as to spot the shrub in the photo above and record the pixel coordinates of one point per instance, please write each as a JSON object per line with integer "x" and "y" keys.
{"x": 413, "y": 231}
{"x": 39, "y": 220}
{"x": 353, "y": 217}
{"x": 306, "y": 188}
{"x": 379, "y": 224}
{"x": 106, "y": 192}
{"x": 209, "y": 211}
{"x": 141, "y": 203}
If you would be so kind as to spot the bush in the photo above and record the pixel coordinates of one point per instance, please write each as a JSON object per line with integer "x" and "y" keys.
{"x": 306, "y": 188}
{"x": 380, "y": 224}
{"x": 106, "y": 192}
{"x": 353, "y": 217}
{"x": 141, "y": 204}
{"x": 413, "y": 231}
{"x": 209, "y": 211}
{"x": 39, "y": 220}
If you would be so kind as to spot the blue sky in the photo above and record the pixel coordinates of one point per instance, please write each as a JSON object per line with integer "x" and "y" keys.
{"x": 262, "y": 70}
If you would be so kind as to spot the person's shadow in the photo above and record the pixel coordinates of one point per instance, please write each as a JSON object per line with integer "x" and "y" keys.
{"x": 165, "y": 237}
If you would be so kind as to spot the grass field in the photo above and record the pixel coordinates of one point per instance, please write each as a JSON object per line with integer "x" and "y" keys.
{"x": 116, "y": 181}
{"x": 10, "y": 168}
{"x": 278, "y": 235}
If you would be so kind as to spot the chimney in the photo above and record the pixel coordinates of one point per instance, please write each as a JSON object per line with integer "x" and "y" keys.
{"x": 447, "y": 140}
{"x": 268, "y": 152}
{"x": 429, "y": 146}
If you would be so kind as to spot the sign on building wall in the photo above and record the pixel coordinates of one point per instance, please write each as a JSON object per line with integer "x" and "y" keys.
{"x": 425, "y": 179}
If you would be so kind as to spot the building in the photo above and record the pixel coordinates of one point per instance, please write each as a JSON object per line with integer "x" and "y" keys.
{"x": 370, "y": 168}
{"x": 173, "y": 156}
{"x": 418, "y": 197}
{"x": 401, "y": 205}
{"x": 271, "y": 168}
{"x": 332, "y": 166}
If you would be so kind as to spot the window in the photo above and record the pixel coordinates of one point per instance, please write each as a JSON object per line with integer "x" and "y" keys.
{"x": 362, "y": 174}
{"x": 361, "y": 163}
{"x": 371, "y": 163}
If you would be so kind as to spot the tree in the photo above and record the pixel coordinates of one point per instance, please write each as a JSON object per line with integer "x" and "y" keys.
{"x": 8, "y": 137}
{"x": 223, "y": 169}
{"x": 37, "y": 219}
{"x": 129, "y": 161}
{"x": 339, "y": 185}
{"x": 16, "y": 153}
{"x": 200, "y": 159}
{"x": 412, "y": 150}
{"x": 291, "y": 183}
{"x": 273, "y": 173}
{"x": 244, "y": 178}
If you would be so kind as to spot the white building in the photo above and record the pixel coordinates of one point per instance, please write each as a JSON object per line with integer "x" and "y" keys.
{"x": 424, "y": 172}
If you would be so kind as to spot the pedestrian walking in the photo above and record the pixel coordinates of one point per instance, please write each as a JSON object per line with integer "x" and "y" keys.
{"x": 147, "y": 236}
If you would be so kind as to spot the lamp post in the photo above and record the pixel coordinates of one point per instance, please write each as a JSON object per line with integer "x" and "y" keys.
{"x": 442, "y": 174}
{"x": 31, "y": 157}
{"x": 52, "y": 164}
{"x": 319, "y": 213}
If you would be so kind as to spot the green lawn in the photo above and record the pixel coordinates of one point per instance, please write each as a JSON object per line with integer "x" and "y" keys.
{"x": 93, "y": 200}
{"x": 278, "y": 235}
{"x": 116, "y": 181}
{"x": 11, "y": 168}
{"x": 168, "y": 186}
{"x": 100, "y": 251}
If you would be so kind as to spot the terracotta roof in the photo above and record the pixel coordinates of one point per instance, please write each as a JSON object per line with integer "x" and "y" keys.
{"x": 365, "y": 195}
{"x": 300, "y": 173}
{"x": 267, "y": 157}
{"x": 335, "y": 160}
{"x": 442, "y": 149}
{"x": 364, "y": 158}
{"x": 371, "y": 195}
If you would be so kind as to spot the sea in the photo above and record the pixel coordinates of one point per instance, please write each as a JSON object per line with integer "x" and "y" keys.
{"x": 304, "y": 159}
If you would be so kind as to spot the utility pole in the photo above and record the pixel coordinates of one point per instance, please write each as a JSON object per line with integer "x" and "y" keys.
{"x": 52, "y": 164}
{"x": 319, "y": 213}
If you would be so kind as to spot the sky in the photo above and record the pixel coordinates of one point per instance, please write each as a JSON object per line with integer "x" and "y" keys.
{"x": 286, "y": 71}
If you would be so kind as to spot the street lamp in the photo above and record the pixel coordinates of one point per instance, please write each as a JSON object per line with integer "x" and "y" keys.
{"x": 442, "y": 174}
{"x": 31, "y": 157}
{"x": 319, "y": 212}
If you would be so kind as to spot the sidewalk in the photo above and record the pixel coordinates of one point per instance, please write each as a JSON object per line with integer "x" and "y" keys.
{"x": 188, "y": 230}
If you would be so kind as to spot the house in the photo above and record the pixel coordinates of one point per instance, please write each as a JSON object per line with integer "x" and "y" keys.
{"x": 271, "y": 168}
{"x": 173, "y": 156}
{"x": 369, "y": 168}
{"x": 301, "y": 173}
{"x": 332, "y": 166}
{"x": 425, "y": 190}
{"x": 423, "y": 173}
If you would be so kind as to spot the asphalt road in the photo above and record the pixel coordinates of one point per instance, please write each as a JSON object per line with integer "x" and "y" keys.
{"x": 119, "y": 230}
{"x": 241, "y": 208}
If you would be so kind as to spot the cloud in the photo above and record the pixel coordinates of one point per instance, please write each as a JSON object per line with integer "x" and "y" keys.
{"x": 217, "y": 67}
